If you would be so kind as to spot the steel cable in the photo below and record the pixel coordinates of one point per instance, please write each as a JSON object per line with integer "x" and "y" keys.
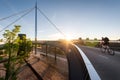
{"x": 52, "y": 23}
{"x": 15, "y": 14}
{"x": 17, "y": 19}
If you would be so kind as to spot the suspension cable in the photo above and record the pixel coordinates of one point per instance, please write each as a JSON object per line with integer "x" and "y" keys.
{"x": 52, "y": 23}
{"x": 17, "y": 19}
{"x": 15, "y": 14}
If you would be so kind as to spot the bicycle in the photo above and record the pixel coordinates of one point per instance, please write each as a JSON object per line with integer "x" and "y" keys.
{"x": 106, "y": 48}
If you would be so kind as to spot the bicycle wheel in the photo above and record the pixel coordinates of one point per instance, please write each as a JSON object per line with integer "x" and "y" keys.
{"x": 111, "y": 52}
{"x": 102, "y": 50}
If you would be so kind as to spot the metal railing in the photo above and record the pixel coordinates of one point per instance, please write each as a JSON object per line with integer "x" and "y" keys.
{"x": 91, "y": 70}
{"x": 87, "y": 70}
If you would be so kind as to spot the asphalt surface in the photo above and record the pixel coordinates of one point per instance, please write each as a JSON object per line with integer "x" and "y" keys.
{"x": 107, "y": 66}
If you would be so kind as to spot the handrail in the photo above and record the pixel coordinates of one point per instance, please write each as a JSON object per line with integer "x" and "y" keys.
{"x": 92, "y": 72}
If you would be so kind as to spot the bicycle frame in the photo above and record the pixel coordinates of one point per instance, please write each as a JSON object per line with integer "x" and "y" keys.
{"x": 106, "y": 48}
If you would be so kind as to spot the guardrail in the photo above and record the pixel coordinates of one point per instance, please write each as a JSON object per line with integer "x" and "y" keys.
{"x": 52, "y": 49}
{"x": 91, "y": 71}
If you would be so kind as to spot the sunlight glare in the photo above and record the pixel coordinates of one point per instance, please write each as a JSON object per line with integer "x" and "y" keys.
{"x": 69, "y": 37}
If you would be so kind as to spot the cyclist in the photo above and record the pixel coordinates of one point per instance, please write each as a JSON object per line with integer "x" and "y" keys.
{"x": 105, "y": 42}
{"x": 105, "y": 46}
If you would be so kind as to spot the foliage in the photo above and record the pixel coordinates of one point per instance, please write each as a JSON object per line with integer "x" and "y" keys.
{"x": 81, "y": 42}
{"x": 25, "y": 47}
{"x": 1, "y": 58}
{"x": 13, "y": 46}
{"x": 95, "y": 38}
{"x": 87, "y": 39}
{"x": 1, "y": 52}
{"x": 10, "y": 36}
{"x": 1, "y": 78}
{"x": 80, "y": 38}
{"x": 92, "y": 44}
{"x": 1, "y": 40}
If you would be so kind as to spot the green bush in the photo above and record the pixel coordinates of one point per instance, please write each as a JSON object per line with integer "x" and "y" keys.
{"x": 91, "y": 44}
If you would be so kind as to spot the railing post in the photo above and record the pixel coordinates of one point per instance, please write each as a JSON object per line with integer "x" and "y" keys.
{"x": 42, "y": 47}
{"x": 55, "y": 54}
{"x": 46, "y": 50}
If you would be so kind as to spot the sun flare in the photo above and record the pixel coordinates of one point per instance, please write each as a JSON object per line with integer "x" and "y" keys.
{"x": 69, "y": 37}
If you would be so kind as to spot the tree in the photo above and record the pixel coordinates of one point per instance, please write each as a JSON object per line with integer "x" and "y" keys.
{"x": 87, "y": 38}
{"x": 10, "y": 37}
{"x": 80, "y": 38}
{"x": 25, "y": 46}
{"x": 1, "y": 40}
{"x": 11, "y": 49}
{"x": 95, "y": 38}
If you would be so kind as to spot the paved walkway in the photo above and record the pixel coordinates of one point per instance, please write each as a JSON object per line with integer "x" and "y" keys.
{"x": 47, "y": 67}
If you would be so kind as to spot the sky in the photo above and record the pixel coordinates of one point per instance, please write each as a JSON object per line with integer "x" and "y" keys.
{"x": 74, "y": 18}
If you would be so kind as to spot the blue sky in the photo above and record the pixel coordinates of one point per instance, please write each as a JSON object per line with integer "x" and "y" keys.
{"x": 75, "y": 18}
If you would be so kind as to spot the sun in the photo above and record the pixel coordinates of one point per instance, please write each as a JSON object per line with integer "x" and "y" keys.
{"x": 69, "y": 38}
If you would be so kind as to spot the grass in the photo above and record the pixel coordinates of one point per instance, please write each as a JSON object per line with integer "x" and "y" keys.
{"x": 91, "y": 44}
